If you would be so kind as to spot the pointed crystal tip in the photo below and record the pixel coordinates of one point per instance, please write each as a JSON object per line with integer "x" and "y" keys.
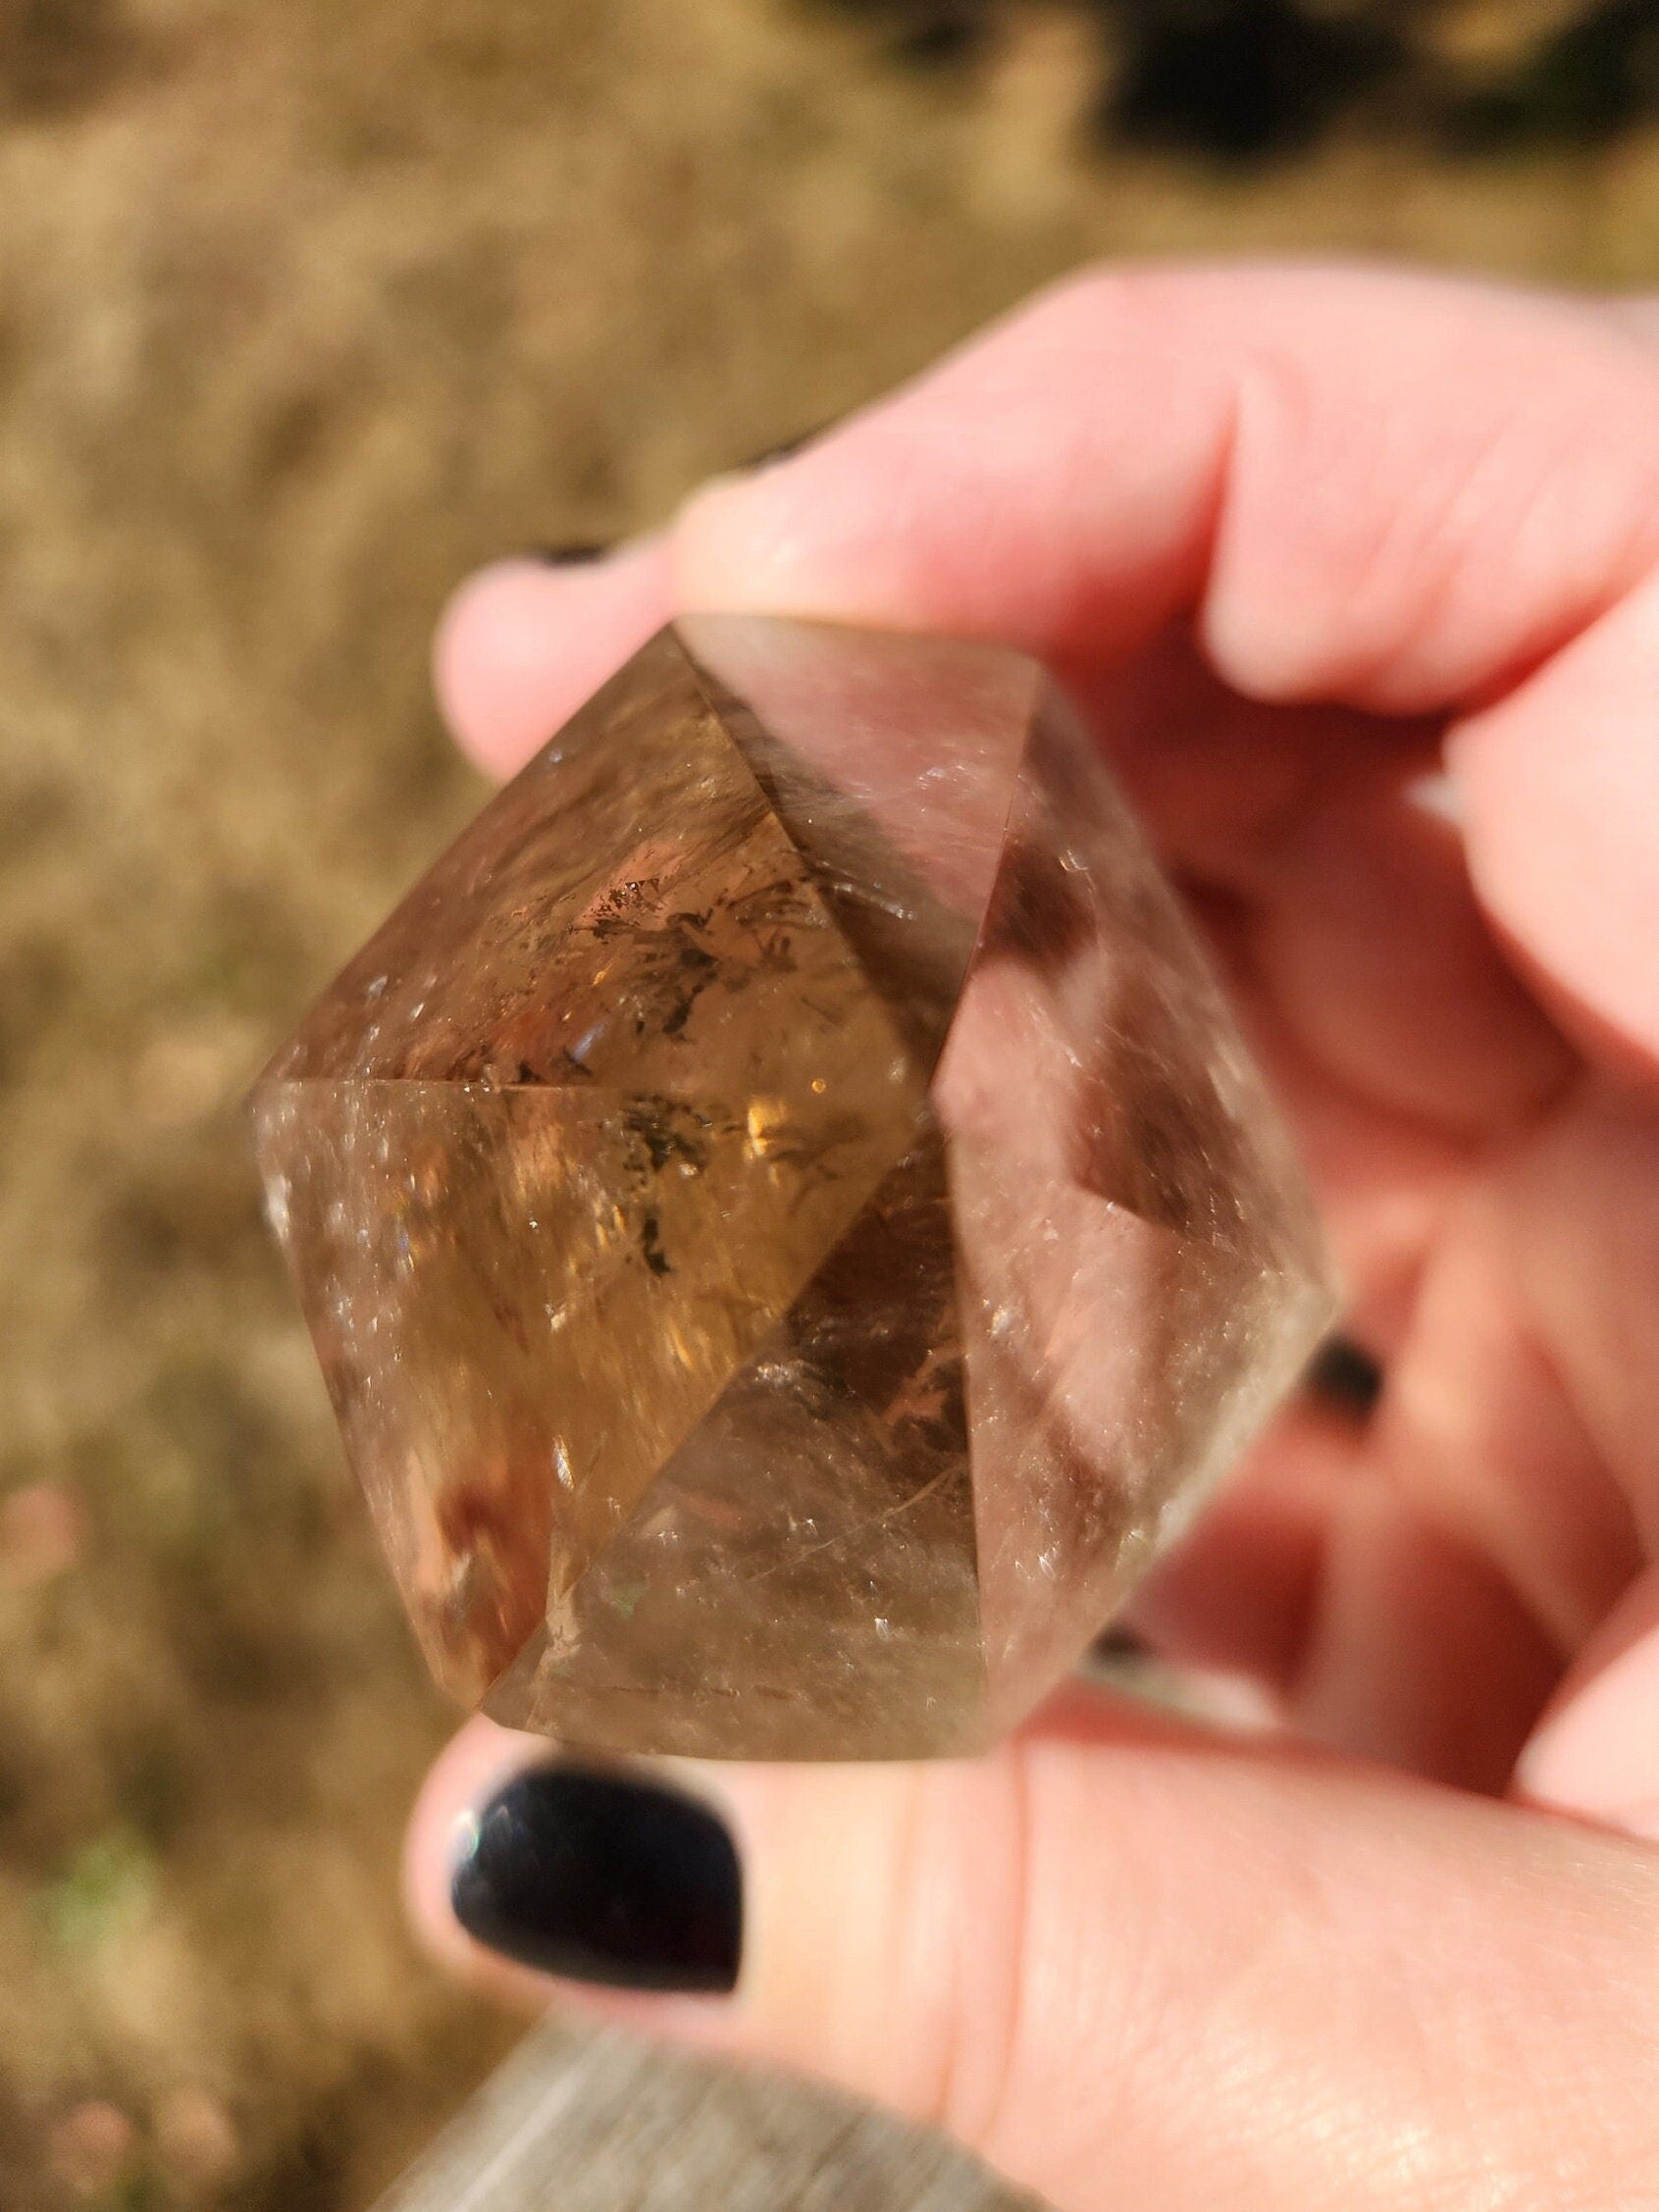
{"x": 785, "y": 1218}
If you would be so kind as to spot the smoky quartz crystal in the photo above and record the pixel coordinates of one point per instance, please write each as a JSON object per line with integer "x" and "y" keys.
{"x": 785, "y": 1215}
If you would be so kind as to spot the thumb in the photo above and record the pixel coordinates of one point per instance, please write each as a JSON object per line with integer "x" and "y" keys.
{"x": 1126, "y": 1962}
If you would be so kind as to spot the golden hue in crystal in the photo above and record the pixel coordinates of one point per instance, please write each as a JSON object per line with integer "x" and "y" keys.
{"x": 784, "y": 1214}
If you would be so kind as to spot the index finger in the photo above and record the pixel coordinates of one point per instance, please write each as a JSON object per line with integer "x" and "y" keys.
{"x": 1391, "y": 489}
{"x": 1401, "y": 493}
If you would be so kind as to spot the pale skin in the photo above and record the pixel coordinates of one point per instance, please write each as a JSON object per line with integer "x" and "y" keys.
{"x": 1358, "y": 575}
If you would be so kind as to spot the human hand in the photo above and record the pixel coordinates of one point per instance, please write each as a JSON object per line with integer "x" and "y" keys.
{"x": 1357, "y": 576}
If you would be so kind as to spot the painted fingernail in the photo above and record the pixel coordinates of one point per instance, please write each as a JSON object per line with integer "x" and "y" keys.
{"x": 1343, "y": 1375}
{"x": 1118, "y": 1642}
{"x": 603, "y": 1877}
{"x": 580, "y": 553}
{"x": 783, "y": 451}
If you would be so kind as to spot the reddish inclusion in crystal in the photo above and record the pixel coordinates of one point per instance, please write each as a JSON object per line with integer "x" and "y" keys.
{"x": 787, "y": 1222}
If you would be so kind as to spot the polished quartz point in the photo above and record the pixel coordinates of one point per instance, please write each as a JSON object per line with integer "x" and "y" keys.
{"x": 785, "y": 1218}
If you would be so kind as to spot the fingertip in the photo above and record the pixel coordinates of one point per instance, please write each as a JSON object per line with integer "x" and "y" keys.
{"x": 480, "y": 637}
{"x": 478, "y": 1774}
{"x": 1593, "y": 1753}
{"x": 845, "y": 531}
{"x": 765, "y": 543}
{"x": 523, "y": 643}
{"x": 1560, "y": 787}
{"x": 467, "y": 1774}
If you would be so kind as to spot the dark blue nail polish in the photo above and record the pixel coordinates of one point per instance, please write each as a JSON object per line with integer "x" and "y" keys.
{"x": 607, "y": 1878}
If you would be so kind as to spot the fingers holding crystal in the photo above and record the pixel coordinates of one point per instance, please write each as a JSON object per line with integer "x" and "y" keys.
{"x": 1118, "y": 1957}
{"x": 1286, "y": 451}
{"x": 1382, "y": 490}
{"x": 1295, "y": 450}
{"x": 1222, "y": 440}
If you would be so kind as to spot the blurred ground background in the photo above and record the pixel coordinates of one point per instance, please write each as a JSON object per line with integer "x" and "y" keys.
{"x": 303, "y": 309}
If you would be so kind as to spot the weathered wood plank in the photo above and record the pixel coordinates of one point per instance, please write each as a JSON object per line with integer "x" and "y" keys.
{"x": 577, "y": 2121}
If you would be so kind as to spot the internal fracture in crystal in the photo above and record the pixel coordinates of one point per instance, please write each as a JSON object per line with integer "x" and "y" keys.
{"x": 785, "y": 1218}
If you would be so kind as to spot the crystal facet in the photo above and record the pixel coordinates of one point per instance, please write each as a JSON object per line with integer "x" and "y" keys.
{"x": 785, "y": 1217}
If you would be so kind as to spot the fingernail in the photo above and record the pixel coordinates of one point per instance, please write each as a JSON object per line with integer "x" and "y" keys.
{"x": 603, "y": 1877}
{"x": 783, "y": 451}
{"x": 580, "y": 553}
{"x": 1344, "y": 1376}
{"x": 1118, "y": 1642}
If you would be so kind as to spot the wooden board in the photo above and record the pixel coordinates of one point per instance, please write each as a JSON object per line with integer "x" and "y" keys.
{"x": 578, "y": 2121}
